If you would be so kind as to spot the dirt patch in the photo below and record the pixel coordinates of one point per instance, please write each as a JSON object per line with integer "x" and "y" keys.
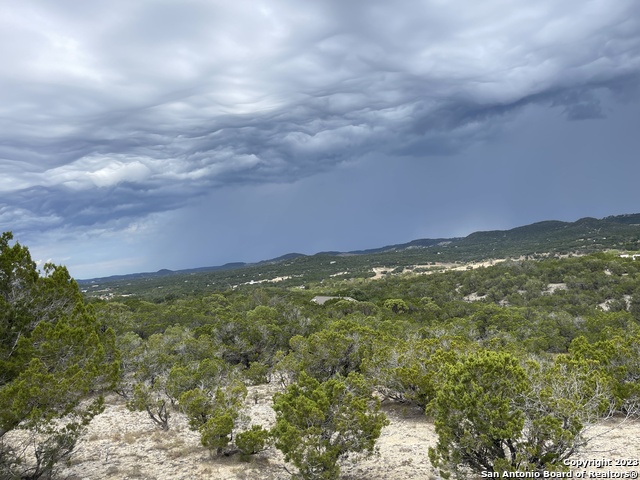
{"x": 126, "y": 445}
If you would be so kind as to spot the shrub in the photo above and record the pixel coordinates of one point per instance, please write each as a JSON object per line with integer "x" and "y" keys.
{"x": 319, "y": 423}
{"x": 494, "y": 415}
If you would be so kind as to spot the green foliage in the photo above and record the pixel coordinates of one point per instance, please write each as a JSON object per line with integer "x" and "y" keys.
{"x": 618, "y": 358}
{"x": 130, "y": 347}
{"x": 319, "y": 423}
{"x": 477, "y": 418}
{"x": 254, "y": 440}
{"x": 411, "y": 371}
{"x": 53, "y": 354}
{"x": 336, "y": 350}
{"x": 214, "y": 415}
{"x": 206, "y": 375}
{"x": 567, "y": 396}
{"x": 215, "y": 433}
{"x": 396, "y": 305}
{"x": 149, "y": 398}
{"x": 412, "y": 336}
{"x": 261, "y": 336}
{"x": 494, "y": 415}
{"x": 160, "y": 369}
{"x": 257, "y": 373}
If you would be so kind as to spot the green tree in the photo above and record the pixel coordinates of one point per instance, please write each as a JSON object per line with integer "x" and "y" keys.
{"x": 207, "y": 375}
{"x": 411, "y": 371}
{"x": 396, "y": 305}
{"x": 476, "y": 415}
{"x": 53, "y": 354}
{"x": 215, "y": 415}
{"x": 492, "y": 414}
{"x": 164, "y": 367}
{"x": 254, "y": 440}
{"x": 336, "y": 350}
{"x": 150, "y": 397}
{"x": 619, "y": 357}
{"x": 319, "y": 423}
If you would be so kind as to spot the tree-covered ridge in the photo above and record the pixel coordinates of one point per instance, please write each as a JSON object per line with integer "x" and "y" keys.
{"x": 552, "y": 238}
{"x": 598, "y": 284}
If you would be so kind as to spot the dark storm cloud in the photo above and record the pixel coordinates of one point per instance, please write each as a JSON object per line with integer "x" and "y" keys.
{"x": 113, "y": 110}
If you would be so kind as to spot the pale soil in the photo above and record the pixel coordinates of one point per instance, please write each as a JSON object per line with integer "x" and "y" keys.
{"x": 272, "y": 280}
{"x": 553, "y": 287}
{"x": 614, "y": 439}
{"x": 125, "y": 445}
{"x": 436, "y": 267}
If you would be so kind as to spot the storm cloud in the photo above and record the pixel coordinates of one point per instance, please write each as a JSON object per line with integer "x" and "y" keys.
{"x": 114, "y": 113}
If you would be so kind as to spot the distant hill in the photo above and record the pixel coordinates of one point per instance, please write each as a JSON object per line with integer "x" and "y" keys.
{"x": 423, "y": 242}
{"x": 582, "y": 236}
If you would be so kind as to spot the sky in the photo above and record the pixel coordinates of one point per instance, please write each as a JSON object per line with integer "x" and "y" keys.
{"x": 153, "y": 134}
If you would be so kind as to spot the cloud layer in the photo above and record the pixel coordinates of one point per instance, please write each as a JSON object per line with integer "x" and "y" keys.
{"x": 111, "y": 111}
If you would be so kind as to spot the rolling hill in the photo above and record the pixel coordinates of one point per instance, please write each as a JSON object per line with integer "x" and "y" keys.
{"x": 586, "y": 235}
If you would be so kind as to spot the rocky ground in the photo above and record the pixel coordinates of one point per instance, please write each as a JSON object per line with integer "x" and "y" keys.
{"x": 125, "y": 445}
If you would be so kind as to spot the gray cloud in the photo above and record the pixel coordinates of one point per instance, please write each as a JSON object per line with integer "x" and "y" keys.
{"x": 111, "y": 111}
